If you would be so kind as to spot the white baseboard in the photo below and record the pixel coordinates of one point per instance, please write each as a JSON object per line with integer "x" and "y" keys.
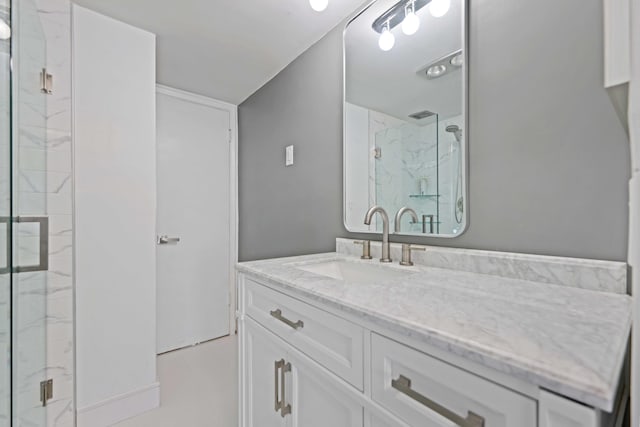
{"x": 118, "y": 408}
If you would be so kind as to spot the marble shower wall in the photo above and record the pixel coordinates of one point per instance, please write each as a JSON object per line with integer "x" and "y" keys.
{"x": 29, "y": 199}
{"x": 450, "y": 175}
{"x": 5, "y": 282}
{"x": 44, "y": 166}
{"x": 55, "y": 16}
{"x": 412, "y": 154}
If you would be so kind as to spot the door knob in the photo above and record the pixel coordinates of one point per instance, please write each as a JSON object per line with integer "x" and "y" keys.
{"x": 165, "y": 240}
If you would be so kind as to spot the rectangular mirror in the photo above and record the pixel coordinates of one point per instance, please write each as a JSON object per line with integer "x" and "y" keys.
{"x": 405, "y": 112}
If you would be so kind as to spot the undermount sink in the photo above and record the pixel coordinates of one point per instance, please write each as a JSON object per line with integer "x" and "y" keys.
{"x": 357, "y": 272}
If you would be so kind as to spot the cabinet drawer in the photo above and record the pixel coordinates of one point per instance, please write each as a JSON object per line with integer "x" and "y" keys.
{"x": 424, "y": 391}
{"x": 333, "y": 342}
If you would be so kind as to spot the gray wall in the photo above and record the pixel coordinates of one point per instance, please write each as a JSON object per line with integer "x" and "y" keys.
{"x": 548, "y": 157}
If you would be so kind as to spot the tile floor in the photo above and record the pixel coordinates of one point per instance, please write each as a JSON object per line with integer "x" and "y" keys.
{"x": 198, "y": 388}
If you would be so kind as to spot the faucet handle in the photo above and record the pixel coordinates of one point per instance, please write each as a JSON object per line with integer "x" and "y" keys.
{"x": 406, "y": 253}
{"x": 366, "y": 248}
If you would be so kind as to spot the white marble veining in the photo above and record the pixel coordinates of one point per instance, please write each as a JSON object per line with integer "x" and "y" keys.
{"x": 44, "y": 188}
{"x": 595, "y": 275}
{"x": 564, "y": 339}
{"x": 55, "y": 16}
{"x": 42, "y": 301}
{"x": 29, "y": 300}
{"x": 412, "y": 153}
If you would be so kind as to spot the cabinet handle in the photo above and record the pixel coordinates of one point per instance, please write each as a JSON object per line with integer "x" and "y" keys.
{"x": 281, "y": 368}
{"x": 278, "y": 315}
{"x": 285, "y": 409}
{"x": 403, "y": 385}
{"x": 278, "y": 364}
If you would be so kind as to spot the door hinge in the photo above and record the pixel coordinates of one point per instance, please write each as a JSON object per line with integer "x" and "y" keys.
{"x": 46, "y": 391}
{"x": 230, "y": 136}
{"x": 46, "y": 82}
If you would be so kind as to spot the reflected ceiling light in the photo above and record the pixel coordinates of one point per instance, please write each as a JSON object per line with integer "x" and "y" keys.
{"x": 5, "y": 30}
{"x": 403, "y": 13}
{"x": 447, "y": 64}
{"x": 387, "y": 40}
{"x": 439, "y": 8}
{"x": 457, "y": 60}
{"x": 411, "y": 22}
{"x": 436, "y": 71}
{"x": 319, "y": 5}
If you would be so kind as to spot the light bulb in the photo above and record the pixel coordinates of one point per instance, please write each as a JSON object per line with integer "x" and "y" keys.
{"x": 457, "y": 60}
{"x": 436, "y": 71}
{"x": 5, "y": 30}
{"x": 411, "y": 22}
{"x": 319, "y": 5}
{"x": 387, "y": 39}
{"x": 439, "y": 8}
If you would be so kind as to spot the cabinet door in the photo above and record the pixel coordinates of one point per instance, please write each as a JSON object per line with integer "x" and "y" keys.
{"x": 262, "y": 351}
{"x": 376, "y": 421}
{"x": 318, "y": 399}
{"x": 557, "y": 411}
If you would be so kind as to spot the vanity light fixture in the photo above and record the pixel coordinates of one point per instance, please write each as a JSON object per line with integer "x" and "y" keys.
{"x": 439, "y": 8}
{"x": 411, "y": 22}
{"x": 5, "y": 30}
{"x": 403, "y": 12}
{"x": 319, "y": 5}
{"x": 387, "y": 40}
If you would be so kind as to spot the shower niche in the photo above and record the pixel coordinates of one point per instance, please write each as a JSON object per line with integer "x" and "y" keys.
{"x": 405, "y": 115}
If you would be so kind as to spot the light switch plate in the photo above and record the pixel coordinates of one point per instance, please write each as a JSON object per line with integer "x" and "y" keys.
{"x": 288, "y": 158}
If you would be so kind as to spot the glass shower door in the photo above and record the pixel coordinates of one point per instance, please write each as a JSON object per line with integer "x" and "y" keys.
{"x": 5, "y": 215}
{"x": 24, "y": 225}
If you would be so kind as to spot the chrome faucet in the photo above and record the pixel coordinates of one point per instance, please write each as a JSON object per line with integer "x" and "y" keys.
{"x": 385, "y": 230}
{"x": 402, "y": 211}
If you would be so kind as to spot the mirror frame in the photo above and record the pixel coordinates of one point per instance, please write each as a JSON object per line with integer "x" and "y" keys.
{"x": 465, "y": 145}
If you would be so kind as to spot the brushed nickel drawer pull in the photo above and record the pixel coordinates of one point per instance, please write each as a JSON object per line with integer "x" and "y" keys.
{"x": 278, "y": 315}
{"x": 403, "y": 385}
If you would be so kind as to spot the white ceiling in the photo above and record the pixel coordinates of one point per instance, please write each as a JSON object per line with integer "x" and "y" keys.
{"x": 388, "y": 81}
{"x": 226, "y": 49}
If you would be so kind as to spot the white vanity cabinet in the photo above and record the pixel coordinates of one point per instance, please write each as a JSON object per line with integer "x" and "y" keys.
{"x": 305, "y": 365}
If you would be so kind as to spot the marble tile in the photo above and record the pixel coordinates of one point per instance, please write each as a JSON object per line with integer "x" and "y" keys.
{"x": 564, "y": 339}
{"x": 60, "y": 224}
{"x": 411, "y": 154}
{"x": 595, "y": 275}
{"x": 39, "y": 159}
{"x": 60, "y": 203}
{"x": 30, "y": 181}
{"x": 45, "y": 184}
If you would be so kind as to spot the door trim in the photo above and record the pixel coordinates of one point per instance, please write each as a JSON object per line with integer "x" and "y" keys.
{"x": 233, "y": 180}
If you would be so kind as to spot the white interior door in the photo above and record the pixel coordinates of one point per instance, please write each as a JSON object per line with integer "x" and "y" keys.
{"x": 194, "y": 197}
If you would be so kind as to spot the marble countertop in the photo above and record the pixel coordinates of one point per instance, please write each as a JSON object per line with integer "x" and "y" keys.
{"x": 567, "y": 340}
